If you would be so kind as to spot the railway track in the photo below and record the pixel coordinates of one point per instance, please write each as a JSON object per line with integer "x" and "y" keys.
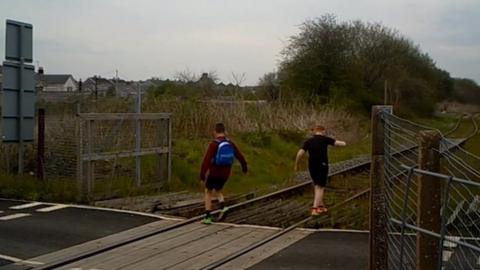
{"x": 360, "y": 195}
{"x": 273, "y": 200}
{"x": 346, "y": 167}
{"x": 288, "y": 206}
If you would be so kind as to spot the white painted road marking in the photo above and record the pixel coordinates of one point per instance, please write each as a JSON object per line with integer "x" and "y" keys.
{"x": 52, "y": 208}
{"x": 27, "y": 205}
{"x": 14, "y": 216}
{"x": 17, "y": 260}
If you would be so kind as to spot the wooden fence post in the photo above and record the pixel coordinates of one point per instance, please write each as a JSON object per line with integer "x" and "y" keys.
{"x": 378, "y": 219}
{"x": 429, "y": 200}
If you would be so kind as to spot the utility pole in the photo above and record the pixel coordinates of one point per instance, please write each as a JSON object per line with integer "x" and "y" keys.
{"x": 116, "y": 82}
{"x": 385, "y": 93}
{"x": 138, "y": 138}
{"x": 95, "y": 78}
{"x": 80, "y": 86}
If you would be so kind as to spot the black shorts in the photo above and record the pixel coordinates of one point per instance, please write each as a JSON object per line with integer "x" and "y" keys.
{"x": 215, "y": 182}
{"x": 319, "y": 174}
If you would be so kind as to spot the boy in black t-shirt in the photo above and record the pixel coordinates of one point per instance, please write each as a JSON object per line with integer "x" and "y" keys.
{"x": 317, "y": 148}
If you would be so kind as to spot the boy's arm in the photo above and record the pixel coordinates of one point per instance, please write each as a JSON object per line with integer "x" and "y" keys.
{"x": 300, "y": 154}
{"x": 334, "y": 142}
{"x": 340, "y": 143}
{"x": 207, "y": 160}
{"x": 239, "y": 156}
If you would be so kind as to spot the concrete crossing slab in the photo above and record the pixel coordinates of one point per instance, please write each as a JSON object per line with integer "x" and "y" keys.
{"x": 321, "y": 251}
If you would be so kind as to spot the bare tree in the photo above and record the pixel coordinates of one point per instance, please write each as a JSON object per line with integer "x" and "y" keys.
{"x": 185, "y": 76}
{"x": 238, "y": 79}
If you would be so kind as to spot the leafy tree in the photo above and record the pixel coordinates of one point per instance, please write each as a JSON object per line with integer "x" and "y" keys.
{"x": 466, "y": 91}
{"x": 349, "y": 64}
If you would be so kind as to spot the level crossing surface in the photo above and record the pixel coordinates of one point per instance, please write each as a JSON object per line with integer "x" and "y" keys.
{"x": 322, "y": 250}
{"x": 192, "y": 246}
{"x": 31, "y": 229}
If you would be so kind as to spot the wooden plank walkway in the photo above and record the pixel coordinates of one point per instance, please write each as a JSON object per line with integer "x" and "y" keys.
{"x": 191, "y": 246}
{"x": 105, "y": 241}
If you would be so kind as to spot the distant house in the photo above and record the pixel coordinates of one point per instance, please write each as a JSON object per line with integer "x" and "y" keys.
{"x": 98, "y": 85}
{"x": 55, "y": 82}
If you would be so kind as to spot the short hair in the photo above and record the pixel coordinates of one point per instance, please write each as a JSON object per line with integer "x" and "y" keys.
{"x": 319, "y": 128}
{"x": 219, "y": 128}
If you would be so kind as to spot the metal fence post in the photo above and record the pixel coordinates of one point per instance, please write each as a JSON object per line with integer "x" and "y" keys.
{"x": 404, "y": 215}
{"x": 169, "y": 162}
{"x": 90, "y": 165}
{"x": 81, "y": 186}
{"x": 429, "y": 200}
{"x": 41, "y": 144}
{"x": 378, "y": 220}
{"x": 138, "y": 139}
{"x": 443, "y": 226}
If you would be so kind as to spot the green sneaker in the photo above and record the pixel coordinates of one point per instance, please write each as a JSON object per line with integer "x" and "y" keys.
{"x": 223, "y": 213}
{"x": 207, "y": 220}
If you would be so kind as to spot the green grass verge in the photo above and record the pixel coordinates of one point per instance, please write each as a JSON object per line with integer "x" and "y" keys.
{"x": 30, "y": 188}
{"x": 270, "y": 158}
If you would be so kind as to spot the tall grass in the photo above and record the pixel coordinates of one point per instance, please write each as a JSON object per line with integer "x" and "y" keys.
{"x": 196, "y": 118}
{"x": 268, "y": 133}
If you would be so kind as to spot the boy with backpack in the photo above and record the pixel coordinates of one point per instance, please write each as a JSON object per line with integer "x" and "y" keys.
{"x": 317, "y": 148}
{"x": 216, "y": 169}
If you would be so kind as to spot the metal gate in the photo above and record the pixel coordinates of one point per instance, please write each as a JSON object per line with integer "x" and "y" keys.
{"x": 119, "y": 151}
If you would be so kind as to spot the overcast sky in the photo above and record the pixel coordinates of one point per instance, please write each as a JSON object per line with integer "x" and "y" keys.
{"x": 145, "y": 38}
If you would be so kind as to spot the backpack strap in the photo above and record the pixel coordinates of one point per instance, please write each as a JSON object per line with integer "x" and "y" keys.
{"x": 218, "y": 141}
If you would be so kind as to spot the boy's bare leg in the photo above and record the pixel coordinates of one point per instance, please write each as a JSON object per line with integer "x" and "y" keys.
{"x": 318, "y": 200}
{"x": 220, "y": 197}
{"x": 221, "y": 204}
{"x": 208, "y": 200}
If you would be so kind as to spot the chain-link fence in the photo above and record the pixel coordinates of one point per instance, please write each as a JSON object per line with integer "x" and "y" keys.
{"x": 97, "y": 155}
{"x": 432, "y": 198}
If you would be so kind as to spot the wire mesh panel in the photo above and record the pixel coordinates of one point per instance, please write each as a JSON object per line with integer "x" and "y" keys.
{"x": 120, "y": 151}
{"x": 461, "y": 207}
{"x": 401, "y": 189}
{"x": 60, "y": 161}
{"x": 456, "y": 235}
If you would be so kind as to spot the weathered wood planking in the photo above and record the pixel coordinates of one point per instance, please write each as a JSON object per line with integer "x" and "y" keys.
{"x": 192, "y": 249}
{"x": 125, "y": 253}
{"x": 227, "y": 249}
{"x": 188, "y": 247}
{"x": 255, "y": 256}
{"x": 78, "y": 249}
{"x": 143, "y": 250}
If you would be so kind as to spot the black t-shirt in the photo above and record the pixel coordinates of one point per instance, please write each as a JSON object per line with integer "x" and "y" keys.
{"x": 317, "y": 149}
